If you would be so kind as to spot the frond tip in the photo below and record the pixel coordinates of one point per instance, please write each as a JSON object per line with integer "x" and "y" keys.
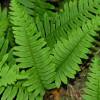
{"x": 92, "y": 90}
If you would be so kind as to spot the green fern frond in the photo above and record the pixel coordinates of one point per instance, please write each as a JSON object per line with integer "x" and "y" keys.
{"x": 10, "y": 37}
{"x": 9, "y": 74}
{"x": 31, "y": 51}
{"x": 17, "y": 92}
{"x": 3, "y": 21}
{"x": 3, "y": 28}
{"x": 67, "y": 53}
{"x": 75, "y": 14}
{"x": 45, "y": 27}
{"x": 13, "y": 91}
{"x": 92, "y": 90}
{"x": 3, "y": 61}
{"x": 11, "y": 59}
{"x": 37, "y": 7}
{"x": 4, "y": 47}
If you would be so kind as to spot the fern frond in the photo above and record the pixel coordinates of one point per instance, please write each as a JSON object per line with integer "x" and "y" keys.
{"x": 9, "y": 77}
{"x": 13, "y": 92}
{"x": 92, "y": 90}
{"x": 3, "y": 21}
{"x": 4, "y": 47}
{"x": 67, "y": 52}
{"x": 11, "y": 59}
{"x": 45, "y": 27}
{"x": 9, "y": 74}
{"x": 17, "y": 92}
{"x": 3, "y": 28}
{"x": 75, "y": 14}
{"x": 37, "y": 7}
{"x": 31, "y": 51}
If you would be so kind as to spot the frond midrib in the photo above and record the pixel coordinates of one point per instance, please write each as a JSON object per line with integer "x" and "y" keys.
{"x": 28, "y": 41}
{"x": 75, "y": 47}
{"x": 33, "y": 58}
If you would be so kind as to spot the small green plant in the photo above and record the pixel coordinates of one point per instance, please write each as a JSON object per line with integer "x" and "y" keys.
{"x": 40, "y": 49}
{"x": 92, "y": 90}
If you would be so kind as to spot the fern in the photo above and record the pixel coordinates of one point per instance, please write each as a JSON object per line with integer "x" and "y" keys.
{"x": 4, "y": 47}
{"x": 37, "y": 7}
{"x": 92, "y": 90}
{"x": 3, "y": 28}
{"x": 67, "y": 53}
{"x": 10, "y": 73}
{"x": 12, "y": 91}
{"x": 75, "y": 14}
{"x": 31, "y": 51}
{"x": 45, "y": 51}
{"x": 3, "y": 21}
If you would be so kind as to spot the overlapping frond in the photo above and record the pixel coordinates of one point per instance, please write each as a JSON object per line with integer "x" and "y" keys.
{"x": 45, "y": 27}
{"x": 3, "y": 47}
{"x": 3, "y": 28}
{"x": 7, "y": 75}
{"x": 67, "y": 52}
{"x": 37, "y": 7}
{"x": 3, "y": 21}
{"x": 17, "y": 92}
{"x": 11, "y": 81}
{"x": 9, "y": 72}
{"x": 14, "y": 91}
{"x": 92, "y": 90}
{"x": 75, "y": 14}
{"x": 31, "y": 51}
